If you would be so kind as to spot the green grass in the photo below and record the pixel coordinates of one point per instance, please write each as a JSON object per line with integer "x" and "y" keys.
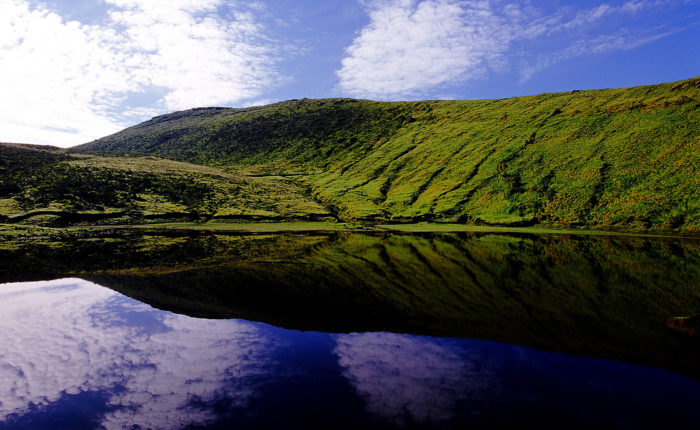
{"x": 66, "y": 190}
{"x": 616, "y": 159}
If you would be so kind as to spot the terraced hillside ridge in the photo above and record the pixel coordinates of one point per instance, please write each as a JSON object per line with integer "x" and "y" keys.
{"x": 48, "y": 187}
{"x": 606, "y": 159}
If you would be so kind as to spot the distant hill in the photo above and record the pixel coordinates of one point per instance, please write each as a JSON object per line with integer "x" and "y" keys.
{"x": 616, "y": 159}
{"x": 608, "y": 159}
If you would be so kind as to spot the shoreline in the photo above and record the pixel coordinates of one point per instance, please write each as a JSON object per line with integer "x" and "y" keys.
{"x": 8, "y": 231}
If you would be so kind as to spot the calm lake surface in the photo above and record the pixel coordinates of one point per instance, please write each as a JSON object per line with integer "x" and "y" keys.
{"x": 348, "y": 330}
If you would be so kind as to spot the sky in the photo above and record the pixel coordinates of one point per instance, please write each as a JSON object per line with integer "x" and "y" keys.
{"x": 72, "y": 71}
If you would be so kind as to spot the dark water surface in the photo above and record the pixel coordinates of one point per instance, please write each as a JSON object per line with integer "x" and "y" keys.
{"x": 402, "y": 331}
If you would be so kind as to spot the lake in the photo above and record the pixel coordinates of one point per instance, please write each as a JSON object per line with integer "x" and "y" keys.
{"x": 348, "y": 330}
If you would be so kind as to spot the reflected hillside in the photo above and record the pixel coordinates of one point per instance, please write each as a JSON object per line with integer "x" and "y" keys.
{"x": 605, "y": 297}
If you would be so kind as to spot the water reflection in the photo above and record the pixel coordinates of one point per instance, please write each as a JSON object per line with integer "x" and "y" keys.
{"x": 407, "y": 379}
{"x": 77, "y": 355}
{"x": 157, "y": 369}
{"x": 605, "y": 297}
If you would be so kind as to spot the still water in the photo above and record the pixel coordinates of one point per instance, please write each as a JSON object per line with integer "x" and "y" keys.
{"x": 509, "y": 332}
{"x": 74, "y": 355}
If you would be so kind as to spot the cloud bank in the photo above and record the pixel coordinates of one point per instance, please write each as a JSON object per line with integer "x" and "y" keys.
{"x": 411, "y": 47}
{"x": 66, "y": 82}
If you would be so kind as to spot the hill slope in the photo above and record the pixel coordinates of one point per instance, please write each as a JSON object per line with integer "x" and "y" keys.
{"x": 611, "y": 159}
{"x": 49, "y": 187}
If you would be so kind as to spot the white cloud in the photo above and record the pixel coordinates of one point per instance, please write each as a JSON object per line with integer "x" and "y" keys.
{"x": 69, "y": 337}
{"x": 201, "y": 58}
{"x": 410, "y": 379}
{"x": 619, "y": 41}
{"x": 411, "y": 47}
{"x": 64, "y": 82}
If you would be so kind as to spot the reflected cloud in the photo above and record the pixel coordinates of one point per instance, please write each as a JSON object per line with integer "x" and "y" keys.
{"x": 409, "y": 379}
{"x": 71, "y": 336}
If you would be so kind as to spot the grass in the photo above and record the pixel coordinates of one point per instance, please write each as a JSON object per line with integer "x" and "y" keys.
{"x": 97, "y": 190}
{"x": 617, "y": 159}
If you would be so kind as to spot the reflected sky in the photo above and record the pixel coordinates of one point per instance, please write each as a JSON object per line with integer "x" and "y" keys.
{"x": 76, "y": 355}
{"x": 409, "y": 379}
{"x": 412, "y": 381}
{"x": 67, "y": 337}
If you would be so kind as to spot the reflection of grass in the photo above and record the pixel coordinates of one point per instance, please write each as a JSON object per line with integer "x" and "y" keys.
{"x": 9, "y": 231}
{"x": 13, "y": 232}
{"x": 453, "y": 228}
{"x": 252, "y": 227}
{"x": 606, "y": 296}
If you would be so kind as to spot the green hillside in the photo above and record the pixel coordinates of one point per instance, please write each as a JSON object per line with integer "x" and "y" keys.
{"x": 608, "y": 159}
{"x": 45, "y": 187}
{"x": 617, "y": 159}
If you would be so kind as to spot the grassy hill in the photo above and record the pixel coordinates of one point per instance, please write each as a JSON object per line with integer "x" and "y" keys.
{"x": 617, "y": 159}
{"x": 49, "y": 187}
{"x": 610, "y": 159}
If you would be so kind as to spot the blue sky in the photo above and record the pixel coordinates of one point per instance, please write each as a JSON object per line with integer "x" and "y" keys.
{"x": 75, "y": 70}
